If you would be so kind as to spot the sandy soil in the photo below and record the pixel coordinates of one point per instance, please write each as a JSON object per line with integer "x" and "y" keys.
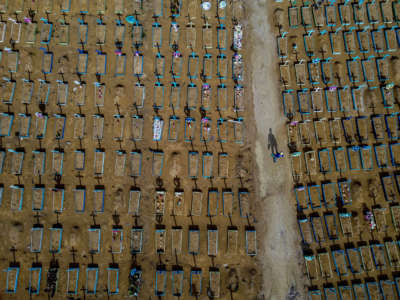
{"x": 281, "y": 251}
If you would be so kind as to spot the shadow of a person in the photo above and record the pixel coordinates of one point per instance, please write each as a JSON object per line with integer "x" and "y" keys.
{"x": 272, "y": 143}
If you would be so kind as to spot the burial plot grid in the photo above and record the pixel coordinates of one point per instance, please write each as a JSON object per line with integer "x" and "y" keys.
{"x": 124, "y": 164}
{"x": 344, "y": 56}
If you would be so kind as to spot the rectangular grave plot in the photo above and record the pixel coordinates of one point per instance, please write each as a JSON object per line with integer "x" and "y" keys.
{"x": 139, "y": 95}
{"x": 212, "y": 241}
{"x": 350, "y": 44}
{"x": 222, "y": 37}
{"x": 101, "y": 30}
{"x": 378, "y": 255}
{"x": 207, "y": 163}
{"x": 137, "y": 34}
{"x": 336, "y": 42}
{"x": 156, "y": 33}
{"x": 194, "y": 240}
{"x": 366, "y": 158}
{"x": 316, "y": 99}
{"x": 393, "y": 126}
{"x": 57, "y": 196}
{"x": 92, "y": 276}
{"x": 378, "y": 127}
{"x": 366, "y": 258}
{"x": 36, "y": 238}
{"x": 57, "y": 161}
{"x": 3, "y": 30}
{"x": 314, "y": 194}
{"x": 390, "y": 39}
{"x": 30, "y": 30}
{"x": 38, "y": 197}
{"x": 395, "y": 213}
{"x": 98, "y": 199}
{"x": 35, "y": 277}
{"x": 354, "y": 258}
{"x": 232, "y": 240}
{"x": 388, "y": 289}
{"x": 43, "y": 92}
{"x": 118, "y": 127}
{"x": 99, "y": 94}
{"x": 311, "y": 162}
{"x": 223, "y": 165}
{"x": 345, "y": 99}
{"x": 159, "y": 65}
{"x": 324, "y": 158}
{"x": 195, "y": 282}
{"x": 12, "y": 61}
{"x": 179, "y": 203}
{"x": 325, "y": 264}
{"x": 382, "y": 66}
{"x": 120, "y": 163}
{"x": 206, "y": 97}
{"x": 160, "y": 240}
{"x": 98, "y": 126}
{"x": 238, "y": 130}
{"x": 335, "y": 130}
{"x": 395, "y": 154}
{"x": 284, "y": 69}
{"x": 117, "y": 239}
{"x": 79, "y": 199}
{"x": 360, "y": 291}
{"x": 176, "y": 238}
{"x": 62, "y": 93}
{"x": 191, "y": 36}
{"x": 113, "y": 280}
{"x": 17, "y": 161}
{"x": 311, "y": 267}
{"x": 78, "y": 93}
{"x": 197, "y": 203}
{"x": 94, "y": 236}
{"x": 175, "y": 93}
{"x": 159, "y": 202}
{"x": 212, "y": 202}
{"x": 119, "y": 34}
{"x": 46, "y": 32}
{"x": 317, "y": 227}
{"x": 331, "y": 98}
{"x": 8, "y": 88}
{"x": 136, "y": 240}
{"x": 301, "y": 74}
{"x": 72, "y": 279}
{"x": 222, "y": 128}
{"x": 120, "y": 64}
{"x": 346, "y": 224}
{"x": 39, "y": 162}
{"x": 321, "y": 133}
{"x": 296, "y": 166}
{"x": 174, "y": 34}
{"x": 251, "y": 241}
{"x": 173, "y": 128}
{"x": 353, "y": 153}
{"x": 301, "y": 197}
{"x": 135, "y": 196}
{"x": 79, "y": 159}
{"x": 293, "y": 13}
{"x": 388, "y": 96}
{"x": 238, "y": 98}
{"x": 135, "y": 163}
{"x": 55, "y": 238}
{"x": 82, "y": 63}
{"x": 207, "y": 37}
{"x": 293, "y": 134}
{"x": 158, "y": 95}
{"x": 392, "y": 250}
{"x": 205, "y": 129}
{"x": 305, "y": 130}
{"x": 59, "y": 126}
{"x": 137, "y": 123}
{"x": 101, "y": 63}
{"x": 6, "y": 122}
{"x": 99, "y": 158}
{"x": 157, "y": 162}
{"x": 389, "y": 190}
{"x": 177, "y": 282}
{"x": 381, "y": 155}
{"x": 380, "y": 219}
{"x": 340, "y": 262}
{"x": 27, "y": 91}
{"x": 362, "y": 128}
{"x": 138, "y": 64}
{"x": 79, "y": 126}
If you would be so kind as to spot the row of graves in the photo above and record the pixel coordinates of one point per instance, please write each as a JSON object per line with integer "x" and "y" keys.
{"x": 337, "y": 63}
{"x": 120, "y": 127}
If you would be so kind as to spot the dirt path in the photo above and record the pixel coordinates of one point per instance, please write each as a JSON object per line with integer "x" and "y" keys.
{"x": 281, "y": 249}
